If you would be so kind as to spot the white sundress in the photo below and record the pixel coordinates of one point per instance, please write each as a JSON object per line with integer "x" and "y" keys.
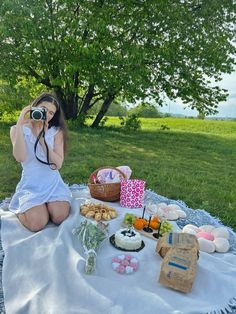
{"x": 39, "y": 184}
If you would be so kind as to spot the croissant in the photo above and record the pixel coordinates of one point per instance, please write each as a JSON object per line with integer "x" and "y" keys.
{"x": 98, "y": 217}
{"x": 90, "y": 214}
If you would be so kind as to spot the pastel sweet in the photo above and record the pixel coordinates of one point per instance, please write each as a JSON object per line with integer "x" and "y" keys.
{"x": 173, "y": 207}
{"x": 190, "y": 229}
{"x": 116, "y": 259}
{"x": 134, "y": 260}
{"x": 121, "y": 257}
{"x": 181, "y": 213}
{"x": 221, "y": 232}
{"x": 207, "y": 228}
{"x": 120, "y": 269}
{"x": 128, "y": 257}
{"x": 129, "y": 269}
{"x": 125, "y": 262}
{"x": 205, "y": 235}
{"x": 127, "y": 265}
{"x": 206, "y": 245}
{"x": 210, "y": 238}
{"x": 221, "y": 245}
{"x": 115, "y": 265}
{"x": 134, "y": 265}
{"x": 172, "y": 215}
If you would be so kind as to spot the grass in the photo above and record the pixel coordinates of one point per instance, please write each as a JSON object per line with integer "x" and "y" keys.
{"x": 193, "y": 161}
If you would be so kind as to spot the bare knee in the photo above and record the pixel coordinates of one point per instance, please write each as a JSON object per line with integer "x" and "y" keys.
{"x": 35, "y": 226}
{"x": 58, "y": 211}
{"x": 58, "y": 218}
{"x": 35, "y": 219}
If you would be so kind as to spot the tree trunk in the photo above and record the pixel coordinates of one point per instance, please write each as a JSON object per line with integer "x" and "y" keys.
{"x": 106, "y": 104}
{"x": 69, "y": 99}
{"x": 87, "y": 100}
{"x": 69, "y": 103}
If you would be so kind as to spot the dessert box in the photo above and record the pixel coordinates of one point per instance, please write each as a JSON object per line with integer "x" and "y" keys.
{"x": 179, "y": 240}
{"x": 179, "y": 266}
{"x": 178, "y": 269}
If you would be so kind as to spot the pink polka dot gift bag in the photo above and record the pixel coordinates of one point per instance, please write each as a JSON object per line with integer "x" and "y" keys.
{"x": 132, "y": 193}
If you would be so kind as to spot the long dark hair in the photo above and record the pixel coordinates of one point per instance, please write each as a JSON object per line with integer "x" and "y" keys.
{"x": 58, "y": 119}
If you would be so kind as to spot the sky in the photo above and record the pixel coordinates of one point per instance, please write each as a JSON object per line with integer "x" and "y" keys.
{"x": 226, "y": 109}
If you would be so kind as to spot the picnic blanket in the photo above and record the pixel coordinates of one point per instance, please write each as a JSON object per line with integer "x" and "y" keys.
{"x": 43, "y": 272}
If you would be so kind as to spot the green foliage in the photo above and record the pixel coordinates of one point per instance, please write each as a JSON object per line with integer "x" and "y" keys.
{"x": 164, "y": 127}
{"x": 7, "y": 116}
{"x": 201, "y": 115}
{"x": 131, "y": 122}
{"x": 18, "y": 94}
{"x": 128, "y": 49}
{"x": 117, "y": 110}
{"x": 103, "y": 122}
{"x": 145, "y": 111}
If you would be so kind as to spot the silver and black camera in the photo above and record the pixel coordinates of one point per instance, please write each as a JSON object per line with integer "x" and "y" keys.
{"x": 37, "y": 113}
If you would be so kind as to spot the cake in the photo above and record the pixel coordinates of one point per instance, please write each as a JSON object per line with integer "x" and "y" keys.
{"x": 128, "y": 239}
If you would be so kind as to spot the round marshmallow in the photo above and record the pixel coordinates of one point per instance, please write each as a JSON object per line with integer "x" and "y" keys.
{"x": 205, "y": 235}
{"x": 172, "y": 215}
{"x": 220, "y": 232}
{"x": 221, "y": 244}
{"x": 161, "y": 205}
{"x": 173, "y": 207}
{"x": 207, "y": 228}
{"x": 189, "y": 226}
{"x": 181, "y": 213}
{"x": 206, "y": 245}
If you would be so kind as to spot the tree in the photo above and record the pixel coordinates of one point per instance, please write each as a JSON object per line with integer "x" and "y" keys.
{"x": 91, "y": 51}
{"x": 145, "y": 110}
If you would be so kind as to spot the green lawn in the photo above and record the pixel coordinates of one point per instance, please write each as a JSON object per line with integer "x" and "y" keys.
{"x": 193, "y": 161}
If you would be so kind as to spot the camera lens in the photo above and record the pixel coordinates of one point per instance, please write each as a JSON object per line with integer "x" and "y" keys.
{"x": 37, "y": 115}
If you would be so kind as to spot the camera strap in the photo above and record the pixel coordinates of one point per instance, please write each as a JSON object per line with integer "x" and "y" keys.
{"x": 42, "y": 134}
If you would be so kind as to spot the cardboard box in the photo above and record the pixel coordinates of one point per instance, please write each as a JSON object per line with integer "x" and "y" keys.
{"x": 178, "y": 240}
{"x": 178, "y": 269}
{"x": 180, "y": 252}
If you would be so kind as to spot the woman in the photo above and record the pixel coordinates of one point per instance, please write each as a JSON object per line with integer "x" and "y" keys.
{"x": 39, "y": 140}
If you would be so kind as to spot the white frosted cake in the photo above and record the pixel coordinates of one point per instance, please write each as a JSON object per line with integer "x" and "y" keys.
{"x": 128, "y": 239}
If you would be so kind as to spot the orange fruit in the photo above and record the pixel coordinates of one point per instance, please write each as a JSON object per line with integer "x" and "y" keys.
{"x": 154, "y": 224}
{"x": 155, "y": 219}
{"x": 138, "y": 223}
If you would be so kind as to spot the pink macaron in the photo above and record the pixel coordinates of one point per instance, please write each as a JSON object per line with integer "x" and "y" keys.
{"x": 205, "y": 235}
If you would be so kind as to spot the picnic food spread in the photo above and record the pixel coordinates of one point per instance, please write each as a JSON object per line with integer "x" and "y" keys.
{"x": 180, "y": 251}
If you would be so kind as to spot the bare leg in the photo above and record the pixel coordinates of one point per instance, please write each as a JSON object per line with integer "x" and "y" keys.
{"x": 58, "y": 211}
{"x": 35, "y": 218}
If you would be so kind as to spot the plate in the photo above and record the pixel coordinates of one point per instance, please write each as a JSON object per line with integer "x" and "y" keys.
{"x": 112, "y": 241}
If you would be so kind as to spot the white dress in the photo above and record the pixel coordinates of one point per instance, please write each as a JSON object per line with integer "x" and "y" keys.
{"x": 39, "y": 183}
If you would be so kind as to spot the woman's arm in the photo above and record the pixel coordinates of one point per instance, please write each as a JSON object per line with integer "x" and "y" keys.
{"x": 56, "y": 155}
{"x": 17, "y": 136}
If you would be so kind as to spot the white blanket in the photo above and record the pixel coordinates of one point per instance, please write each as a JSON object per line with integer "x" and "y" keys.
{"x": 43, "y": 272}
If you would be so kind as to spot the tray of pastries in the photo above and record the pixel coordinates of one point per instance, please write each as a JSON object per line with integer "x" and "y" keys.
{"x": 98, "y": 212}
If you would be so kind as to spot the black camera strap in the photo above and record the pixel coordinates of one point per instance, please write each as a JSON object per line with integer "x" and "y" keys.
{"x": 42, "y": 134}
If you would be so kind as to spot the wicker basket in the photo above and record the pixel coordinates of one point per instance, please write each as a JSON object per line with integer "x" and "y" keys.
{"x": 108, "y": 192}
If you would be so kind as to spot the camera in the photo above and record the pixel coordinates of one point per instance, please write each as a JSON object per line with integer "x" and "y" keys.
{"x": 38, "y": 114}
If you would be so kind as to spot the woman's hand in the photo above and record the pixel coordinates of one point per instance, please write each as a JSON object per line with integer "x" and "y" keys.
{"x": 24, "y": 117}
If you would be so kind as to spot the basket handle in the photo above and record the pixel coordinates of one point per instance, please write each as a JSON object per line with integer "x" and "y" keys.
{"x": 107, "y": 167}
